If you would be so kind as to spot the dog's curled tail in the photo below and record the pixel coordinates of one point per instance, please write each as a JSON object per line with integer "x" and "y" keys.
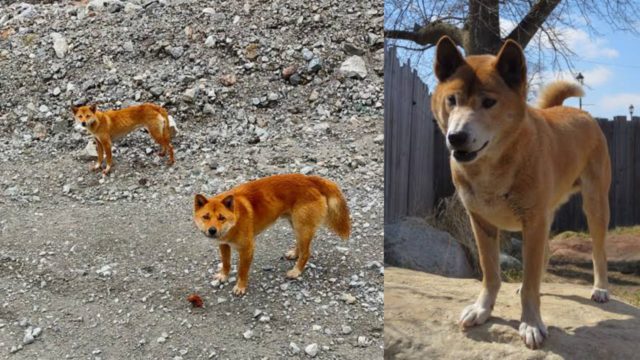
{"x": 556, "y": 92}
{"x": 338, "y": 218}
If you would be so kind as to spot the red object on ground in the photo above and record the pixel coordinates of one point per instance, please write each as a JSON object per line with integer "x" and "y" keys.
{"x": 195, "y": 300}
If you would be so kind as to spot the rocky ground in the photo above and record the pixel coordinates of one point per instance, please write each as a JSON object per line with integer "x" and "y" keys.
{"x": 421, "y": 313}
{"x": 100, "y": 267}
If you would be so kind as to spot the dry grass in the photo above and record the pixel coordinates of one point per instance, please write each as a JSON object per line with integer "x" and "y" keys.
{"x": 451, "y": 216}
{"x": 624, "y": 230}
{"x": 512, "y": 276}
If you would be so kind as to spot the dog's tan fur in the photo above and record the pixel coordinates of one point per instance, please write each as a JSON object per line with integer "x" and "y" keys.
{"x": 235, "y": 217}
{"x": 111, "y": 125}
{"x": 532, "y": 160}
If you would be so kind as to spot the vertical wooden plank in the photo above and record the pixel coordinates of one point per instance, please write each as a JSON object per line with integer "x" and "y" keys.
{"x": 607, "y": 127}
{"x": 628, "y": 173}
{"x": 389, "y": 74}
{"x": 619, "y": 171}
{"x": 613, "y": 189}
{"x": 421, "y": 154}
{"x": 402, "y": 86}
{"x": 635, "y": 151}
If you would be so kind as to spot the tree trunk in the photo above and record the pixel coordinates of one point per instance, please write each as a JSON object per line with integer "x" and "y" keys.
{"x": 483, "y": 28}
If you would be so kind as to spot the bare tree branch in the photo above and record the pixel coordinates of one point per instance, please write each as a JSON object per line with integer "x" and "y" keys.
{"x": 531, "y": 23}
{"x": 428, "y": 34}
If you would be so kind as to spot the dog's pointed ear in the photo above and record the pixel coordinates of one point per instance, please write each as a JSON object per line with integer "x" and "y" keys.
{"x": 93, "y": 108}
{"x": 511, "y": 65}
{"x": 199, "y": 201}
{"x": 448, "y": 58}
{"x": 228, "y": 202}
{"x": 75, "y": 109}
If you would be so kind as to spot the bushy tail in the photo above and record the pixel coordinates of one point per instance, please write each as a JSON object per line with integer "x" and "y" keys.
{"x": 556, "y": 92}
{"x": 338, "y": 218}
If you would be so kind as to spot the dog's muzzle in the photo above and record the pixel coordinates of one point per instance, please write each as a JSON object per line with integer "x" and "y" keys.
{"x": 466, "y": 156}
{"x": 84, "y": 124}
{"x": 211, "y": 232}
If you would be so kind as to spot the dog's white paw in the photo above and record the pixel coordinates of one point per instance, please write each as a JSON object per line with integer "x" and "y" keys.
{"x": 600, "y": 295}
{"x": 291, "y": 254}
{"x": 221, "y": 277}
{"x": 294, "y": 273}
{"x": 239, "y": 290}
{"x": 474, "y": 315}
{"x": 533, "y": 334}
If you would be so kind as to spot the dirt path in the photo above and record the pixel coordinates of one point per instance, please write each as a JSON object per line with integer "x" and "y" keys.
{"x": 108, "y": 281}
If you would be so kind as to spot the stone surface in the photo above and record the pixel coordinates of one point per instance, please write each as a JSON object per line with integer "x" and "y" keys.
{"x": 355, "y": 67}
{"x": 60, "y": 45}
{"x": 422, "y": 310}
{"x": 413, "y": 244}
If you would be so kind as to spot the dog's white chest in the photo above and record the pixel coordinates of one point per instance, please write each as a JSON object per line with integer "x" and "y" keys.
{"x": 493, "y": 206}
{"x": 222, "y": 242}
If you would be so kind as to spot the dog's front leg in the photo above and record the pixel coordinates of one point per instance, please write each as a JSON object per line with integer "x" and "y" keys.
{"x": 535, "y": 232}
{"x": 245, "y": 255}
{"x": 100, "y": 152}
{"x": 225, "y": 256}
{"x": 488, "y": 243}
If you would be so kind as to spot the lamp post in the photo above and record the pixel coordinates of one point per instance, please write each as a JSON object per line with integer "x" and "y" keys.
{"x": 580, "y": 79}
{"x": 631, "y": 108}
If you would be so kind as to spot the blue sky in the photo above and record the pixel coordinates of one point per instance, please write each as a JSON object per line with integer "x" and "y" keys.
{"x": 608, "y": 61}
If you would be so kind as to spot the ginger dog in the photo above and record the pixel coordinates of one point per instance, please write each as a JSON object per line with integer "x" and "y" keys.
{"x": 235, "y": 217}
{"x": 111, "y": 125}
{"x": 513, "y": 165}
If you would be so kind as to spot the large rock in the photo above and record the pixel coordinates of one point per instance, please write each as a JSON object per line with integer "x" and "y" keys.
{"x": 413, "y": 244}
{"x": 60, "y": 45}
{"x": 354, "y": 67}
{"x": 421, "y": 313}
{"x": 623, "y": 251}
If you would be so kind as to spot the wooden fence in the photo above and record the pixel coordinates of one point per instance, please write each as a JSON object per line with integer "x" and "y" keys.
{"x": 417, "y": 174}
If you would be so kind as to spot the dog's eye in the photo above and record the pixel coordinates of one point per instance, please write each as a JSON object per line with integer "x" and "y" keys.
{"x": 451, "y": 100}
{"x": 488, "y": 103}
{"x": 221, "y": 218}
{"x": 206, "y": 217}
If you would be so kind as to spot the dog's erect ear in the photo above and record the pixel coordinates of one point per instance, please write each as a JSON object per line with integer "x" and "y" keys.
{"x": 448, "y": 58}
{"x": 511, "y": 65}
{"x": 199, "y": 201}
{"x": 75, "y": 109}
{"x": 93, "y": 108}
{"x": 228, "y": 202}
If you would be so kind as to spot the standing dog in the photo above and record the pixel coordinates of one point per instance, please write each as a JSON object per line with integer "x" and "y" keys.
{"x": 235, "y": 217}
{"x": 111, "y": 125}
{"x": 513, "y": 165}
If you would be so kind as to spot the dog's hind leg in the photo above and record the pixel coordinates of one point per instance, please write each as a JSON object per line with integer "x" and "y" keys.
{"x": 595, "y": 204}
{"x": 487, "y": 239}
{"x": 292, "y": 253}
{"x": 155, "y": 131}
{"x": 306, "y": 219}
{"x": 161, "y": 135}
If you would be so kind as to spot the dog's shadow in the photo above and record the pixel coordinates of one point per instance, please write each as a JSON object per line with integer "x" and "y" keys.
{"x": 624, "y": 330}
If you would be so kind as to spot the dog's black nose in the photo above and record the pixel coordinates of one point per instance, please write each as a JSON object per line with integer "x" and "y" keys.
{"x": 212, "y": 231}
{"x": 84, "y": 123}
{"x": 458, "y": 138}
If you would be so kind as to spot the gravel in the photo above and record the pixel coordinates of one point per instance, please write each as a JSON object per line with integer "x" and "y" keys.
{"x": 100, "y": 267}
